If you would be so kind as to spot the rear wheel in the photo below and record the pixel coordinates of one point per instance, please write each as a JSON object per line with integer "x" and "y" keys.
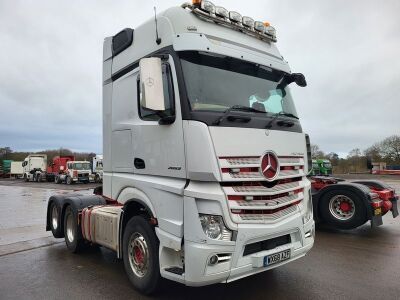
{"x": 68, "y": 180}
{"x": 72, "y": 232}
{"x": 55, "y": 223}
{"x": 343, "y": 209}
{"x": 140, "y": 254}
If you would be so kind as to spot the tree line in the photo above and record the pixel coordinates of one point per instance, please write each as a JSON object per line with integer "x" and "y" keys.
{"x": 8, "y": 153}
{"x": 358, "y": 161}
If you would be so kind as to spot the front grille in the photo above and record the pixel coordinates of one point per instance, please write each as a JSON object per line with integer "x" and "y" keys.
{"x": 267, "y": 244}
{"x": 251, "y": 199}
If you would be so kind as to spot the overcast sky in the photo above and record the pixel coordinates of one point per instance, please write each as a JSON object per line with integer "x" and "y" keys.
{"x": 51, "y": 62}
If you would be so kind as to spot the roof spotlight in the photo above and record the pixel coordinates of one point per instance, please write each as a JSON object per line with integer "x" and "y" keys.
{"x": 235, "y": 17}
{"x": 208, "y": 6}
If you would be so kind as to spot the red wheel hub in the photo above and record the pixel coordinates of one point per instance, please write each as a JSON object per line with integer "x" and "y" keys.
{"x": 139, "y": 257}
{"x": 345, "y": 207}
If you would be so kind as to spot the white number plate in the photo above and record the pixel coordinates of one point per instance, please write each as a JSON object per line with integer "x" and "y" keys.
{"x": 276, "y": 257}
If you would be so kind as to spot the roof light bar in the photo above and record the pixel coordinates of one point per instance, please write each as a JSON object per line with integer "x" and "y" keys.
{"x": 232, "y": 19}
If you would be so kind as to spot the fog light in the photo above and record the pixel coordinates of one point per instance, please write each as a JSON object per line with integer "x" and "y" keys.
{"x": 213, "y": 260}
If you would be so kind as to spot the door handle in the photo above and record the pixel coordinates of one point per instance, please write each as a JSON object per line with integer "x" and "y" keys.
{"x": 139, "y": 163}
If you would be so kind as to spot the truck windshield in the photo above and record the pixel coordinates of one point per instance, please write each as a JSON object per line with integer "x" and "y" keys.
{"x": 215, "y": 83}
{"x": 327, "y": 165}
{"x": 81, "y": 166}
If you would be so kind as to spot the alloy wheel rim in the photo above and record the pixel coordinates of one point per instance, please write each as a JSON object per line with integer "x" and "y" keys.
{"x": 54, "y": 217}
{"x": 342, "y": 207}
{"x": 138, "y": 253}
{"x": 70, "y": 228}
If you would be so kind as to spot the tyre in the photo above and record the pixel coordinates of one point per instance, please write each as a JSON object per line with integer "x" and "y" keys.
{"x": 26, "y": 178}
{"x": 55, "y": 224}
{"x": 140, "y": 254}
{"x": 97, "y": 178}
{"x": 68, "y": 180}
{"x": 56, "y": 179}
{"x": 343, "y": 209}
{"x": 72, "y": 232}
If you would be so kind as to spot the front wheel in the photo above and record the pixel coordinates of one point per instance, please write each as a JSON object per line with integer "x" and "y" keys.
{"x": 68, "y": 180}
{"x": 343, "y": 209}
{"x": 140, "y": 254}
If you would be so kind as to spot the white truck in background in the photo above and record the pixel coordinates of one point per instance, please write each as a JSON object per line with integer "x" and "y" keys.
{"x": 205, "y": 160}
{"x": 34, "y": 167}
{"x": 97, "y": 168}
{"x": 76, "y": 171}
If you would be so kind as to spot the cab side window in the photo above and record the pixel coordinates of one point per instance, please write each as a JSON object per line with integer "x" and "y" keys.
{"x": 151, "y": 115}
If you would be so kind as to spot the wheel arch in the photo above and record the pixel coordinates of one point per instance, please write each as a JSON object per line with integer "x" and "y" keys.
{"x": 135, "y": 202}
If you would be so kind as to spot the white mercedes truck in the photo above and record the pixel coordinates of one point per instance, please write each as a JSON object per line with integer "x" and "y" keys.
{"x": 34, "y": 167}
{"x": 205, "y": 160}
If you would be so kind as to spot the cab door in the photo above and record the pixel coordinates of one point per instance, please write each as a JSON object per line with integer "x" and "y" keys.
{"x": 157, "y": 140}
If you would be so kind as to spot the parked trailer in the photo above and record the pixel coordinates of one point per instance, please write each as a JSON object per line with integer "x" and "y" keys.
{"x": 58, "y": 167}
{"x": 200, "y": 184}
{"x": 17, "y": 170}
{"x": 347, "y": 205}
{"x": 34, "y": 166}
{"x": 6, "y": 167}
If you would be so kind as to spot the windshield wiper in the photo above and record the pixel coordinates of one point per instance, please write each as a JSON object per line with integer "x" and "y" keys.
{"x": 235, "y": 107}
{"x": 282, "y": 113}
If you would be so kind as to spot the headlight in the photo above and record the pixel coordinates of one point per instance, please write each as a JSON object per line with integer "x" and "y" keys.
{"x": 214, "y": 227}
{"x": 309, "y": 208}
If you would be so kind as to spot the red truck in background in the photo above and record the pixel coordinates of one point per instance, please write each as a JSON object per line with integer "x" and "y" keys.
{"x": 57, "y": 167}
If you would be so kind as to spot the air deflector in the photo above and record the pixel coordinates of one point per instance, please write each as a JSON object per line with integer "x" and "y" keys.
{"x": 122, "y": 40}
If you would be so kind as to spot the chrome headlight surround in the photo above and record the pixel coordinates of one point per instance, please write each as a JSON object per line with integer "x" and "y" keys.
{"x": 214, "y": 227}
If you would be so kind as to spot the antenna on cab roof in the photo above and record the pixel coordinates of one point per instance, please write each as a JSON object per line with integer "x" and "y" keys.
{"x": 158, "y": 40}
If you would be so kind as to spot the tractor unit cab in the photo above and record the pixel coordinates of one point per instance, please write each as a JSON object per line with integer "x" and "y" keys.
{"x": 58, "y": 166}
{"x": 324, "y": 166}
{"x": 78, "y": 171}
{"x": 205, "y": 159}
{"x": 34, "y": 167}
{"x": 97, "y": 168}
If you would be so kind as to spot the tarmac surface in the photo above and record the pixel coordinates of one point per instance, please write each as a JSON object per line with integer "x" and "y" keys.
{"x": 363, "y": 263}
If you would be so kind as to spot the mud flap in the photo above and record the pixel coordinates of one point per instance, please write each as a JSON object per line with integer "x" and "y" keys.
{"x": 376, "y": 221}
{"x": 395, "y": 210}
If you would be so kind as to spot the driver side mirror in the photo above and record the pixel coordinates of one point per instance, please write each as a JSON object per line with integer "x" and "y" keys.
{"x": 151, "y": 83}
{"x": 299, "y": 79}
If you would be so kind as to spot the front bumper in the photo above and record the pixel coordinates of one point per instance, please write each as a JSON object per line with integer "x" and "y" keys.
{"x": 198, "y": 272}
{"x": 81, "y": 179}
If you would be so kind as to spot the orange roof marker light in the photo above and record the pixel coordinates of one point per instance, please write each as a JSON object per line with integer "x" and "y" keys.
{"x": 207, "y": 11}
